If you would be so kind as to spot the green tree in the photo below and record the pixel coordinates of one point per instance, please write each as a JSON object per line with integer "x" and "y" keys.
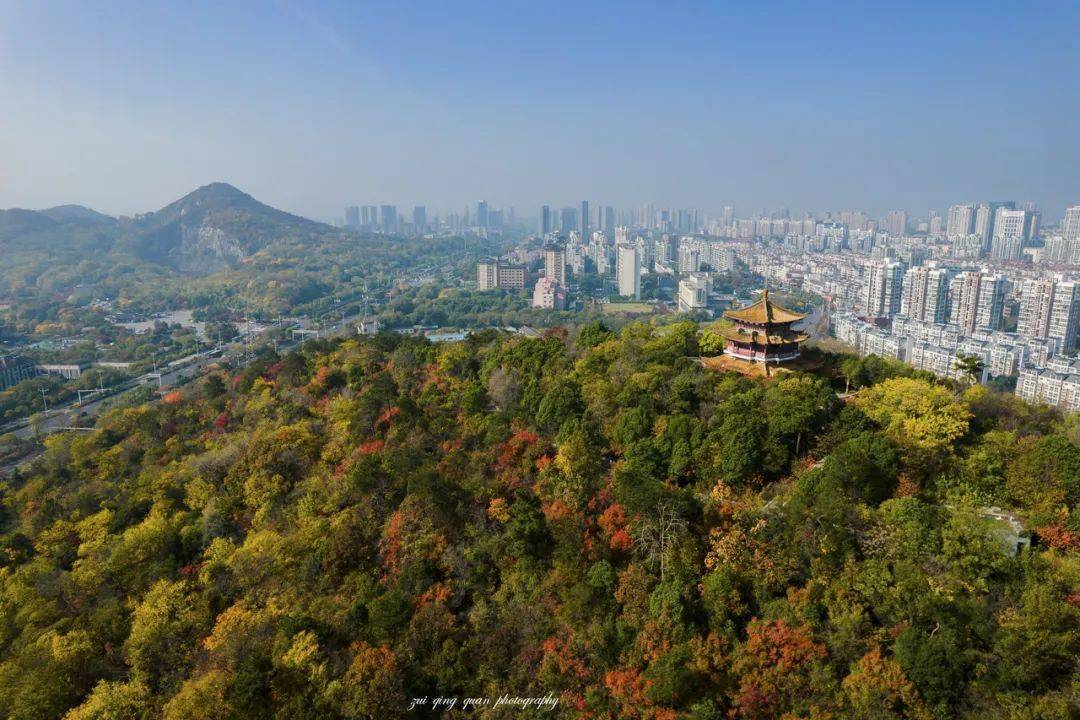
{"x": 161, "y": 646}
{"x": 970, "y": 367}
{"x": 798, "y": 404}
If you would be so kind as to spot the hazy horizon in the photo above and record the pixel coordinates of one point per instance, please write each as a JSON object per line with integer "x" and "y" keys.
{"x": 127, "y": 107}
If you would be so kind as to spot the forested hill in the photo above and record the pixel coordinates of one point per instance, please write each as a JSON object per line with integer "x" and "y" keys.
{"x": 337, "y": 532}
{"x": 211, "y": 228}
{"x": 217, "y": 249}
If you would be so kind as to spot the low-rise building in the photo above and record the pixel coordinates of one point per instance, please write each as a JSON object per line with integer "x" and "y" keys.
{"x": 1007, "y": 528}
{"x": 939, "y": 361}
{"x": 114, "y": 364}
{"x": 494, "y": 274}
{"x": 1042, "y": 385}
{"x": 694, "y": 292}
{"x": 548, "y": 294}
{"x": 68, "y": 371}
{"x": 876, "y": 341}
{"x": 368, "y": 326}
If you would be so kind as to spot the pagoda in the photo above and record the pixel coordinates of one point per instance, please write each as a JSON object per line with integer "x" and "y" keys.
{"x": 762, "y": 332}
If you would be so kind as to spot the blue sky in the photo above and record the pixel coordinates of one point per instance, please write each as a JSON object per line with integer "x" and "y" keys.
{"x": 124, "y": 106}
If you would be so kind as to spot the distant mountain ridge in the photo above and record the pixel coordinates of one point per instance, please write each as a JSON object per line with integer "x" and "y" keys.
{"x": 19, "y": 221}
{"x": 78, "y": 214}
{"x": 211, "y": 228}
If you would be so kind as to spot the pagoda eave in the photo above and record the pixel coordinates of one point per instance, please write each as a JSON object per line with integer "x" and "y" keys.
{"x": 756, "y": 338}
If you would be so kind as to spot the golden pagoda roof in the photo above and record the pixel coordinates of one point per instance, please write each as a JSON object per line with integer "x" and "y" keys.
{"x": 760, "y": 338}
{"x": 764, "y": 311}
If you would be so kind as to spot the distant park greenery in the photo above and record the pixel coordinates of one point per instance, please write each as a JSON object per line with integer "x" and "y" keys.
{"x": 441, "y": 306}
{"x": 591, "y": 513}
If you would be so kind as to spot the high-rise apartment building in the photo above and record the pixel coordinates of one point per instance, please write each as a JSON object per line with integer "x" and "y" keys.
{"x": 555, "y": 264}
{"x": 895, "y": 222}
{"x": 352, "y": 216}
{"x": 984, "y": 223}
{"x": 925, "y": 294}
{"x": 689, "y": 259}
{"x": 977, "y": 301}
{"x": 990, "y": 308}
{"x": 854, "y": 220}
{"x": 1070, "y": 225}
{"x": 935, "y": 224}
{"x": 369, "y": 216}
{"x": 1007, "y": 247}
{"x": 1013, "y": 229}
{"x": 628, "y": 270}
{"x": 545, "y": 220}
{"x": 419, "y": 219}
{"x": 884, "y": 286}
{"x": 1065, "y": 315}
{"x": 984, "y": 220}
{"x": 388, "y": 218}
{"x": 584, "y": 218}
{"x": 482, "y": 219}
{"x": 1036, "y": 301}
{"x": 1050, "y": 308}
{"x": 487, "y": 274}
{"x": 601, "y": 256}
{"x": 1062, "y": 250}
{"x": 728, "y": 216}
{"x": 568, "y": 220}
{"x": 961, "y": 221}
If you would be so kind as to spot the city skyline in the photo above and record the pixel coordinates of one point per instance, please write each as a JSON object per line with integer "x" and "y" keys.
{"x": 312, "y": 110}
{"x": 992, "y": 222}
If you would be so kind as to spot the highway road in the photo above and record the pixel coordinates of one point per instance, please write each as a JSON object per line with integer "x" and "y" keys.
{"x": 75, "y": 415}
{"x": 810, "y": 324}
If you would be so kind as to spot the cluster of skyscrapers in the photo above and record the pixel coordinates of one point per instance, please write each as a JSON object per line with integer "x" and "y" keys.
{"x": 478, "y": 220}
{"x": 998, "y": 230}
{"x": 582, "y": 219}
{"x": 984, "y": 279}
{"x": 991, "y": 290}
{"x": 1049, "y": 306}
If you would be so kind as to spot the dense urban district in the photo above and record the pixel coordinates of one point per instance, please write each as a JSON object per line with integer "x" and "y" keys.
{"x": 649, "y": 464}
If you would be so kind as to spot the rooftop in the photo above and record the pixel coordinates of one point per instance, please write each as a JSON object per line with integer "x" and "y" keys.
{"x": 764, "y": 311}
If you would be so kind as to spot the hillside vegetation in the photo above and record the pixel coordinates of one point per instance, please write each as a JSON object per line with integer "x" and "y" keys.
{"x": 336, "y": 532}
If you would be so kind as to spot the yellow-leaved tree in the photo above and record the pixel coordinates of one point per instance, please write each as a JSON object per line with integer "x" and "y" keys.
{"x": 924, "y": 419}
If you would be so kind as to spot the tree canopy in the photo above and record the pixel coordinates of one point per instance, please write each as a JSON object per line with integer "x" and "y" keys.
{"x": 357, "y": 524}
